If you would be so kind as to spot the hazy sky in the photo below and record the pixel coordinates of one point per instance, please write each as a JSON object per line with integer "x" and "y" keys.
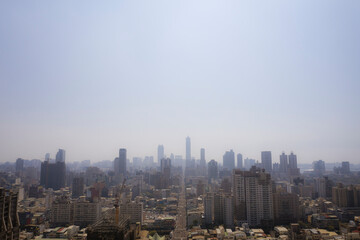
{"x": 95, "y": 76}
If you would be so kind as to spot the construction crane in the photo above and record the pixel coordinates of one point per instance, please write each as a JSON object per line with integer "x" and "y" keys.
{"x": 116, "y": 205}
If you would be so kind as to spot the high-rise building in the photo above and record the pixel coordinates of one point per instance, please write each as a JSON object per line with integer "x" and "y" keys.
{"x": 19, "y": 166}
{"x": 47, "y": 157}
{"x": 213, "y": 171}
{"x": 320, "y": 187}
{"x": 229, "y": 160}
{"x": 165, "y": 164}
{"x": 228, "y": 211}
{"x": 345, "y": 167}
{"x": 239, "y": 161}
{"x": 77, "y": 187}
{"x": 283, "y": 163}
{"x": 319, "y": 167}
{"x": 202, "y": 162}
{"x": 253, "y": 199}
{"x": 161, "y": 153}
{"x": 9, "y": 224}
{"x": 286, "y": 208}
{"x": 209, "y": 208}
{"x": 149, "y": 161}
{"x": 219, "y": 209}
{"x": 348, "y": 197}
{"x": 53, "y": 175}
{"x": 292, "y": 161}
{"x": 60, "y": 155}
{"x": 188, "y": 151}
{"x": 248, "y": 163}
{"x": 137, "y": 162}
{"x": 202, "y": 157}
{"x": 134, "y": 210}
{"x": 122, "y": 161}
{"x": 266, "y": 160}
{"x": 85, "y": 212}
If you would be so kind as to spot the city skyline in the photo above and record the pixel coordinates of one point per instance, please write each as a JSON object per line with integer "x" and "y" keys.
{"x": 91, "y": 78}
{"x": 291, "y": 158}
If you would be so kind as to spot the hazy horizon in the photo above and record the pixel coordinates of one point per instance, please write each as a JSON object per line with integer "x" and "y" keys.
{"x": 92, "y": 77}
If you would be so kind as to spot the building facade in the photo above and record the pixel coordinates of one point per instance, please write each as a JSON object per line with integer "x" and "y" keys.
{"x": 253, "y": 201}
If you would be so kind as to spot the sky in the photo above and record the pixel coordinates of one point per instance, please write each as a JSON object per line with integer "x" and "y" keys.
{"x": 92, "y": 77}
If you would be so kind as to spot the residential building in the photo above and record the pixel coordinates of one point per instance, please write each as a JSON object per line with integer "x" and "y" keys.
{"x": 253, "y": 199}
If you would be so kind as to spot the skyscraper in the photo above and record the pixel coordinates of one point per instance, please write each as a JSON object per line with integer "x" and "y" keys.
{"x": 292, "y": 161}
{"x": 229, "y": 160}
{"x": 202, "y": 162}
{"x": 283, "y": 163}
{"x": 165, "y": 163}
{"x": 266, "y": 160}
{"x": 19, "y": 166}
{"x": 188, "y": 149}
{"x": 202, "y": 156}
{"x": 165, "y": 171}
{"x": 239, "y": 161}
{"x": 212, "y": 170}
{"x": 53, "y": 175}
{"x": 161, "y": 154}
{"x": 60, "y": 155}
{"x": 122, "y": 161}
{"x": 253, "y": 196}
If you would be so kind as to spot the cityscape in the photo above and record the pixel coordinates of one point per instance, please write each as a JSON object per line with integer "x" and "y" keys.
{"x": 180, "y": 120}
{"x": 171, "y": 197}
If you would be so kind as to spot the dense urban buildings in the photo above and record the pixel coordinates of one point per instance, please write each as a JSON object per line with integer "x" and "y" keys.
{"x": 174, "y": 198}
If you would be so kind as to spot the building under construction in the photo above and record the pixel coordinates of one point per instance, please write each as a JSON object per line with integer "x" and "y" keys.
{"x": 9, "y": 224}
{"x": 113, "y": 228}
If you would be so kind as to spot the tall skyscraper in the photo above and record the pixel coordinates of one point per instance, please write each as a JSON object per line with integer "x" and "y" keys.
{"x": 213, "y": 171}
{"x": 266, "y": 160}
{"x": 229, "y": 160}
{"x": 292, "y": 161}
{"x": 161, "y": 153}
{"x": 53, "y": 175}
{"x": 19, "y": 166}
{"x": 165, "y": 166}
{"x": 253, "y": 196}
{"x": 60, "y": 155}
{"x": 239, "y": 161}
{"x": 202, "y": 156}
{"x": 188, "y": 149}
{"x": 202, "y": 162}
{"x": 283, "y": 163}
{"x": 122, "y": 161}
